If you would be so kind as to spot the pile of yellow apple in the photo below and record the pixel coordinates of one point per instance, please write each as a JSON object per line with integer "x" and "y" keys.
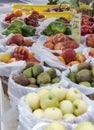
{"x": 86, "y": 125}
{"x": 57, "y": 103}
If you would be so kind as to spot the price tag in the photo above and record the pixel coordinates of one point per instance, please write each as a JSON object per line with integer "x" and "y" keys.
{"x": 76, "y": 26}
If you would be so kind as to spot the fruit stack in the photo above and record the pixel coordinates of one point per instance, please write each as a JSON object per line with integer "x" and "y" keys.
{"x": 55, "y": 104}
{"x": 81, "y": 76}
{"x": 62, "y": 126}
{"x": 32, "y": 78}
{"x": 39, "y": 73}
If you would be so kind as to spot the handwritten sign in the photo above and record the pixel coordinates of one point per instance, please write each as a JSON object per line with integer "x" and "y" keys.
{"x": 76, "y": 26}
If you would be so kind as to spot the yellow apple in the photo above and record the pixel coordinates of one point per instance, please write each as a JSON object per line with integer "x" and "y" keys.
{"x": 69, "y": 116}
{"x": 59, "y": 92}
{"x": 33, "y": 100}
{"x": 85, "y": 126}
{"x": 66, "y": 106}
{"x": 38, "y": 113}
{"x": 55, "y": 126}
{"x": 53, "y": 113}
{"x": 42, "y": 92}
{"x": 73, "y": 94}
{"x": 80, "y": 107}
{"x": 48, "y": 100}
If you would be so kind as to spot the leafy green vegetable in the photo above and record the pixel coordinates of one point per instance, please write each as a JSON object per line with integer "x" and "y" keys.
{"x": 18, "y": 23}
{"x": 57, "y": 26}
{"x": 68, "y": 29}
{"x": 18, "y": 26}
{"x": 28, "y": 30}
{"x": 14, "y": 27}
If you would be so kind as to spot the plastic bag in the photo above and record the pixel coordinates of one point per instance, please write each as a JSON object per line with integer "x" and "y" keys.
{"x": 28, "y": 120}
{"x": 16, "y": 91}
{"x": 82, "y": 88}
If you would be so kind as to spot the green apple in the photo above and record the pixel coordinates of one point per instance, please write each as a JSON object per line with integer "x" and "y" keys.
{"x": 38, "y": 113}
{"x": 80, "y": 107}
{"x": 66, "y": 106}
{"x": 53, "y": 113}
{"x": 73, "y": 94}
{"x": 55, "y": 126}
{"x": 49, "y": 100}
{"x": 69, "y": 116}
{"x": 41, "y": 92}
{"x": 60, "y": 92}
{"x": 85, "y": 126}
{"x": 33, "y": 100}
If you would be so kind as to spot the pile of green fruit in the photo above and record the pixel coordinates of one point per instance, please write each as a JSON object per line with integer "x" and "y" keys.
{"x": 83, "y": 75}
{"x": 35, "y": 76}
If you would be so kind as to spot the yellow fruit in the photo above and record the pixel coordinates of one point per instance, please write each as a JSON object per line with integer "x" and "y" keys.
{"x": 5, "y": 57}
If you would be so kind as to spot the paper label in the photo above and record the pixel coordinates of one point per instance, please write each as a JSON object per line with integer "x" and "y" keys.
{"x": 76, "y": 27}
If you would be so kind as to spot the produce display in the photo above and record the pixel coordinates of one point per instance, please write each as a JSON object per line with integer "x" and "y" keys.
{"x": 18, "y": 26}
{"x": 58, "y": 26}
{"x": 83, "y": 75}
{"x": 19, "y": 40}
{"x": 56, "y": 103}
{"x": 19, "y": 53}
{"x": 13, "y": 15}
{"x": 49, "y": 74}
{"x": 60, "y": 42}
{"x": 81, "y": 126}
{"x": 31, "y": 19}
{"x": 35, "y": 76}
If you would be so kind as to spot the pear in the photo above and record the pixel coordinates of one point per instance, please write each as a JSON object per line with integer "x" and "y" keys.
{"x": 32, "y": 80}
{"x": 84, "y": 65}
{"x": 43, "y": 78}
{"x": 21, "y": 79}
{"x": 28, "y": 72}
{"x": 56, "y": 80}
{"x": 37, "y": 69}
{"x": 52, "y": 72}
{"x": 87, "y": 84}
{"x": 84, "y": 75}
{"x": 72, "y": 76}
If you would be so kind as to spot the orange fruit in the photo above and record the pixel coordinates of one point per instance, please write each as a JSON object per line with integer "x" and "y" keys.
{"x": 18, "y": 12}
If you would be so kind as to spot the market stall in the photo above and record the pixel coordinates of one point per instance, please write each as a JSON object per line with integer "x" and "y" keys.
{"x": 47, "y": 66}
